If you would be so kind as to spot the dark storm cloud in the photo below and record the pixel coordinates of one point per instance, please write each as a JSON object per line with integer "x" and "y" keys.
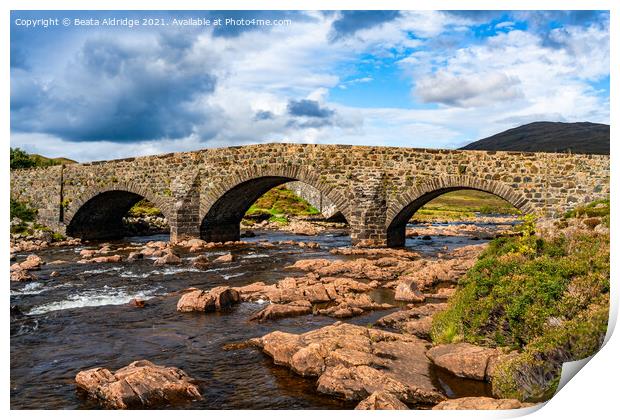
{"x": 309, "y": 123}
{"x": 351, "y": 21}
{"x": 117, "y": 91}
{"x": 308, "y": 108}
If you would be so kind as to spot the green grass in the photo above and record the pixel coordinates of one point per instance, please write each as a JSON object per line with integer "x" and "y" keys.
{"x": 546, "y": 298}
{"x": 598, "y": 208}
{"x": 462, "y": 205}
{"x": 280, "y": 202}
{"x": 144, "y": 208}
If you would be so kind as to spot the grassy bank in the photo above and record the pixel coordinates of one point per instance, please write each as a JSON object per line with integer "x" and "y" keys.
{"x": 545, "y": 297}
{"x": 277, "y": 204}
{"x": 144, "y": 208}
{"x": 463, "y": 205}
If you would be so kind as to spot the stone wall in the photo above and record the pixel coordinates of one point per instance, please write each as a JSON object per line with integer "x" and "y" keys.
{"x": 377, "y": 189}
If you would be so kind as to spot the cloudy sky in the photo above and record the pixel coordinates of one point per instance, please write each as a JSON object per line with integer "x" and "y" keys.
{"x": 409, "y": 78}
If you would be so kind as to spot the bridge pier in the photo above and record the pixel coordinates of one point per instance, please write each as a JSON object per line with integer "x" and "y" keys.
{"x": 220, "y": 232}
{"x": 185, "y": 218}
{"x": 369, "y": 210}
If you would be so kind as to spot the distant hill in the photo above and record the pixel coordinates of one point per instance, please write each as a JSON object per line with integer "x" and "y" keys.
{"x": 580, "y": 137}
{"x": 45, "y": 161}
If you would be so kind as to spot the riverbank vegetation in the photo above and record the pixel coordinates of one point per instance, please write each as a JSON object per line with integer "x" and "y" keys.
{"x": 545, "y": 297}
{"x": 463, "y": 205}
{"x": 277, "y": 205}
{"x": 144, "y": 208}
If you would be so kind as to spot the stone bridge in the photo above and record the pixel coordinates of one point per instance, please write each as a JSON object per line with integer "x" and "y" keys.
{"x": 377, "y": 189}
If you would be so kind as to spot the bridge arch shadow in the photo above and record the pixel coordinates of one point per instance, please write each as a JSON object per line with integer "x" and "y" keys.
{"x": 410, "y": 201}
{"x": 99, "y": 212}
{"x": 226, "y": 203}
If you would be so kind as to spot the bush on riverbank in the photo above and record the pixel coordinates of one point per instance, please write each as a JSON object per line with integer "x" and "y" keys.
{"x": 22, "y": 211}
{"x": 22, "y": 222}
{"x": 548, "y": 298}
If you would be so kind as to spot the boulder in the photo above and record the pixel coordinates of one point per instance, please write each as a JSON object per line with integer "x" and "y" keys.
{"x": 136, "y": 255}
{"x": 22, "y": 275}
{"x": 226, "y": 258}
{"x": 317, "y": 293}
{"x": 280, "y": 346}
{"x": 141, "y": 384}
{"x": 137, "y": 302}
{"x": 157, "y": 244}
{"x": 216, "y": 299}
{"x": 419, "y": 327}
{"x": 194, "y": 242}
{"x": 54, "y": 274}
{"x": 310, "y": 265}
{"x": 463, "y": 359}
{"x": 167, "y": 259}
{"x": 397, "y": 319}
{"x": 256, "y": 291}
{"x": 353, "y": 305}
{"x": 275, "y": 310}
{"x": 303, "y": 228}
{"x": 480, "y": 403}
{"x": 408, "y": 292}
{"x": 32, "y": 262}
{"x": 88, "y": 253}
{"x": 107, "y": 259}
{"x": 381, "y": 400}
{"x": 201, "y": 262}
{"x": 105, "y": 248}
{"x": 353, "y": 362}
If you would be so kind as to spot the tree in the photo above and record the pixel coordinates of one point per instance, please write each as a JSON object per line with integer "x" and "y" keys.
{"x": 21, "y": 159}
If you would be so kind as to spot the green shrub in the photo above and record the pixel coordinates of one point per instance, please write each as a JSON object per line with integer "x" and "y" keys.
{"x": 22, "y": 211}
{"x": 534, "y": 374}
{"x": 21, "y": 159}
{"x": 511, "y": 292}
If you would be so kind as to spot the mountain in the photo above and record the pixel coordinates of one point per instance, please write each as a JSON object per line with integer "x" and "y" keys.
{"x": 543, "y": 136}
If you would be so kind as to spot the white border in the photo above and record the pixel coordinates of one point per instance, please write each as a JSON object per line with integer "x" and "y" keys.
{"x": 591, "y": 395}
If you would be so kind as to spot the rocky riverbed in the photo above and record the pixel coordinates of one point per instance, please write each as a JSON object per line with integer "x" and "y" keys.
{"x": 274, "y": 321}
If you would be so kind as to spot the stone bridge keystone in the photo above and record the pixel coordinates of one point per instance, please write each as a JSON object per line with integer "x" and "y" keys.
{"x": 376, "y": 189}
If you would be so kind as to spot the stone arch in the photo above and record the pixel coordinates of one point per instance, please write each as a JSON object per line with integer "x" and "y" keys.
{"x": 97, "y": 213}
{"x": 409, "y": 201}
{"x": 223, "y": 205}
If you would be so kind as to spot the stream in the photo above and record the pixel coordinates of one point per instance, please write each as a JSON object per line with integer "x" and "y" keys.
{"x": 82, "y": 319}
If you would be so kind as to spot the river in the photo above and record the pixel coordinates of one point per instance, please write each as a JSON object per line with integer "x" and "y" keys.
{"x": 82, "y": 319}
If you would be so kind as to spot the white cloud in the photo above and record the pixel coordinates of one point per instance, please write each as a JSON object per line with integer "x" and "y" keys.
{"x": 468, "y": 89}
{"x": 505, "y": 24}
{"x": 481, "y": 88}
{"x": 517, "y": 76}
